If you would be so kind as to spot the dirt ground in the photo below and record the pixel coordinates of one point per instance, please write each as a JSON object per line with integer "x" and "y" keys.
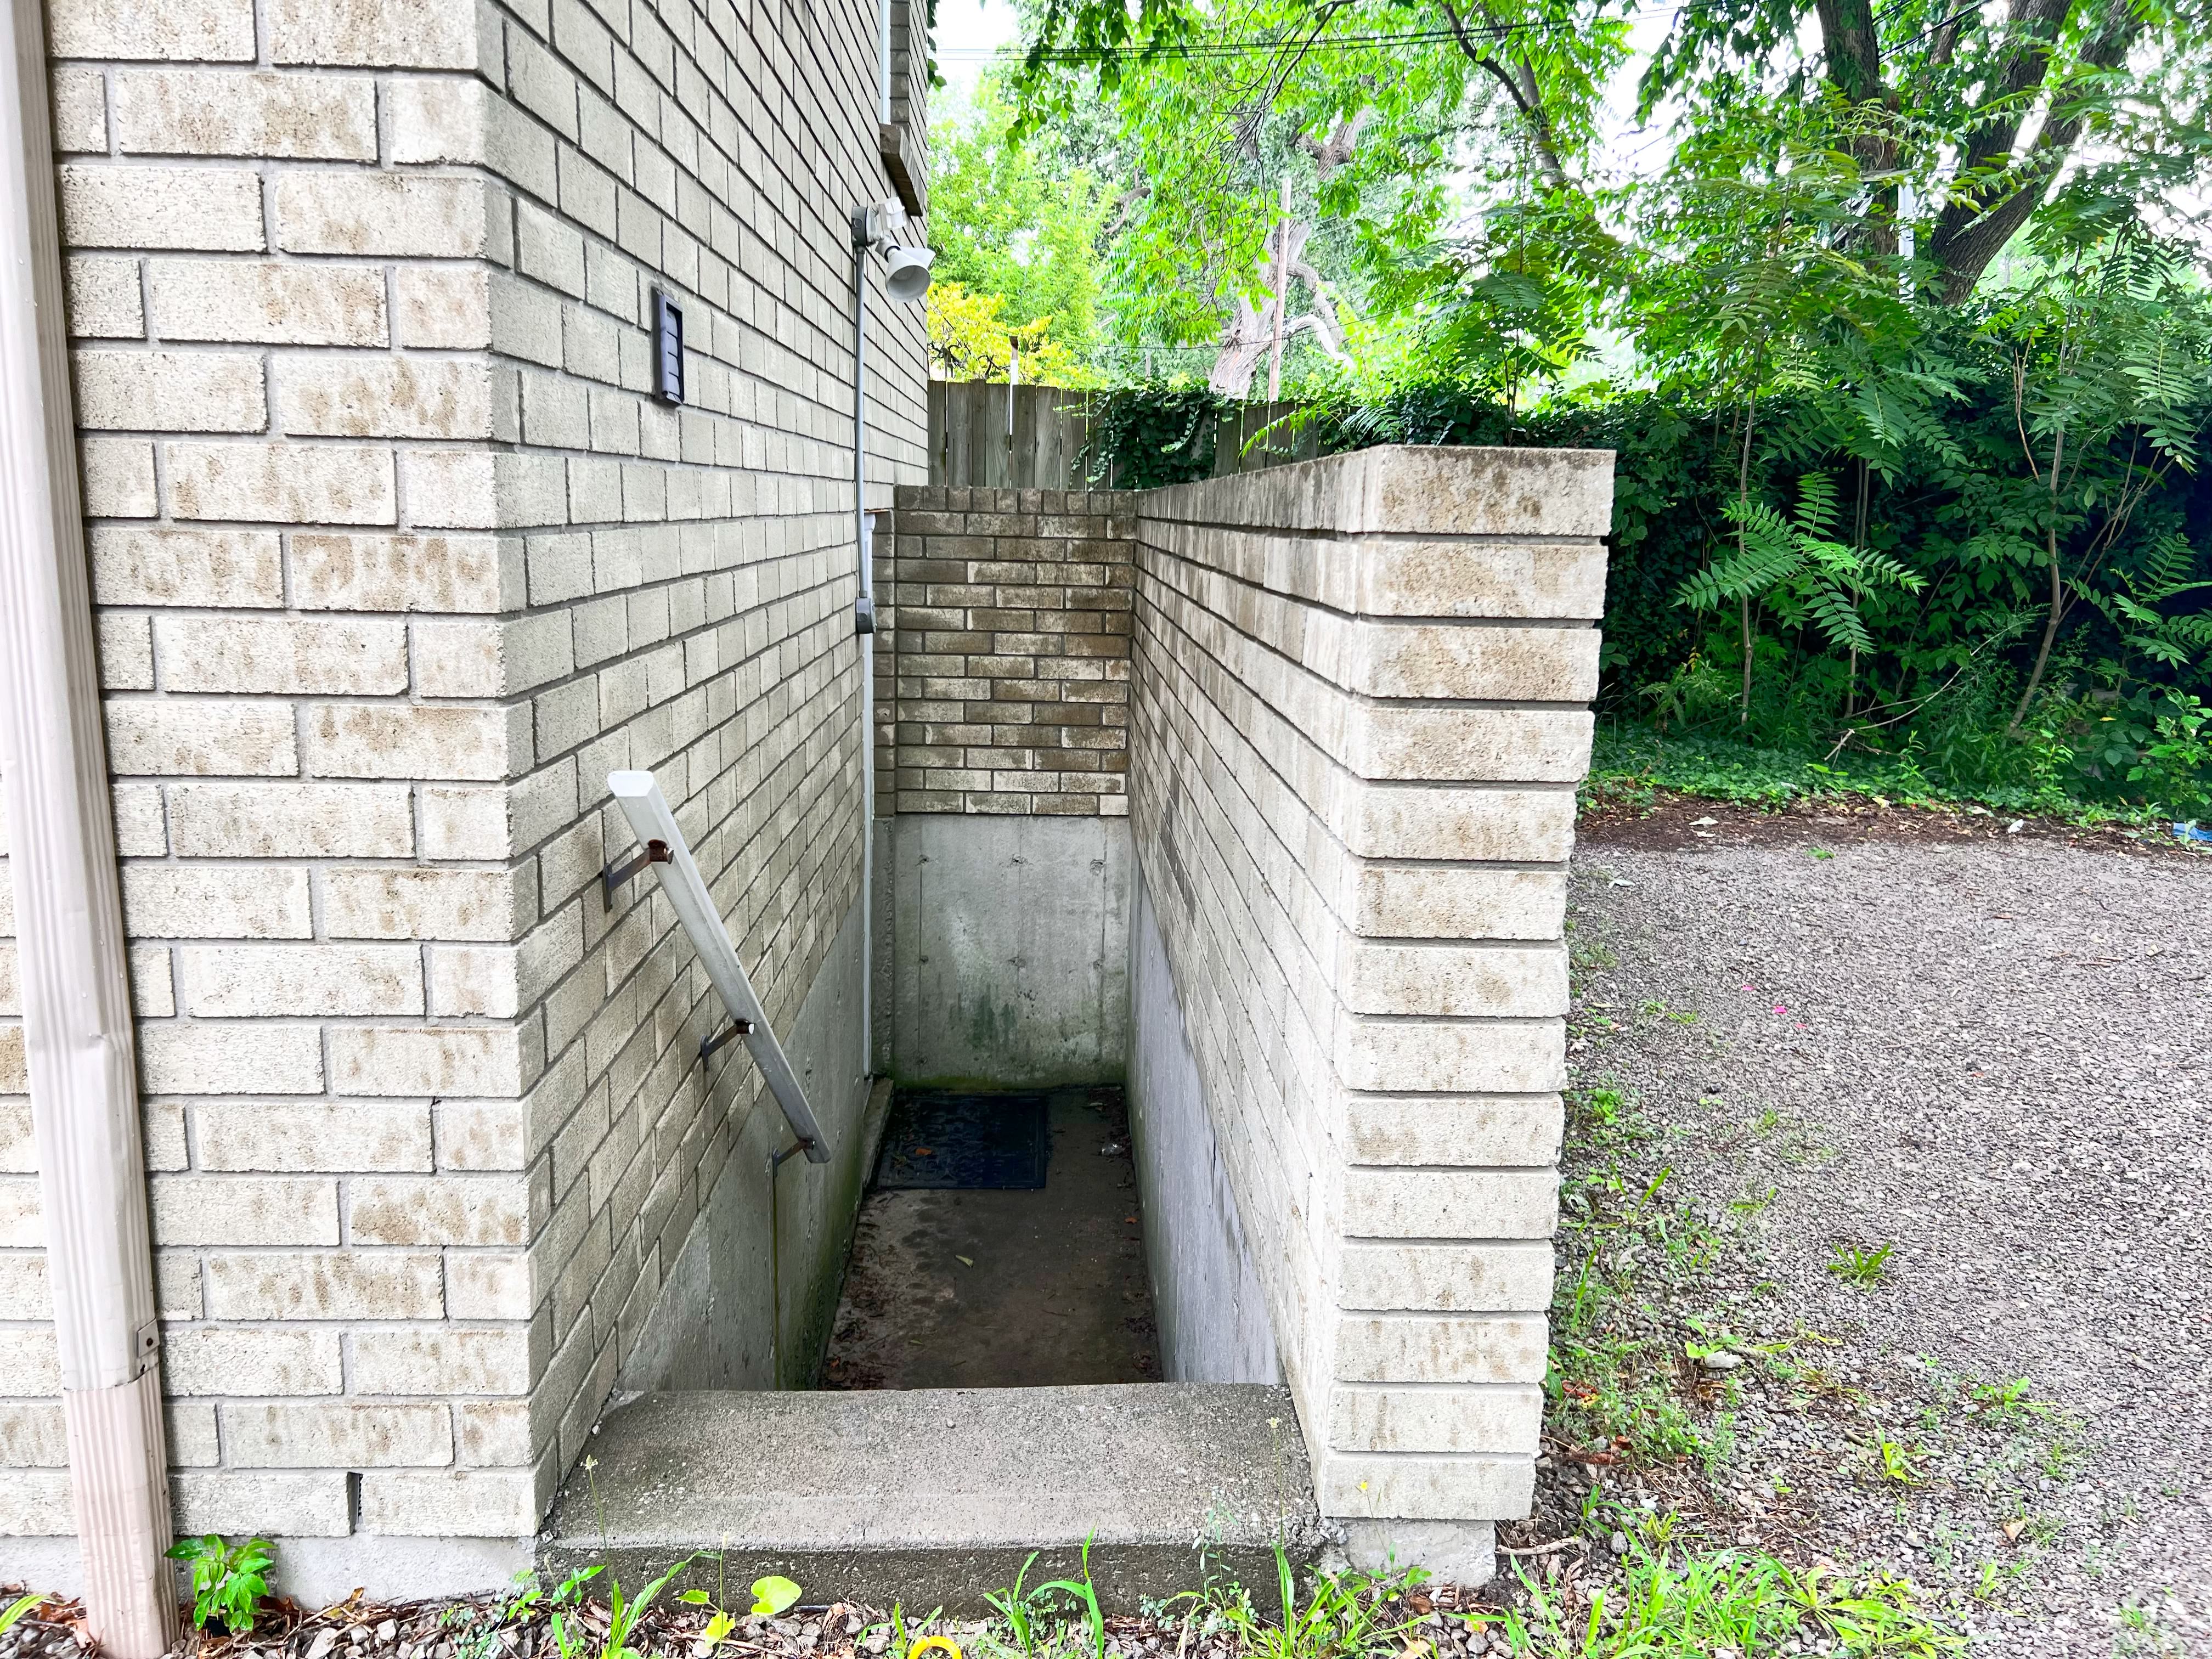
{"x": 1990, "y": 1049}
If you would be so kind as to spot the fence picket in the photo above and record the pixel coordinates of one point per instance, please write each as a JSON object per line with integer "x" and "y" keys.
{"x": 982, "y": 437}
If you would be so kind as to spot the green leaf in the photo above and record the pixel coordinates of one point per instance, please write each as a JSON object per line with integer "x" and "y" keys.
{"x": 772, "y": 1594}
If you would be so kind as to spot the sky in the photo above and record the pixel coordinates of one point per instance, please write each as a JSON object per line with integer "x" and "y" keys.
{"x": 968, "y": 32}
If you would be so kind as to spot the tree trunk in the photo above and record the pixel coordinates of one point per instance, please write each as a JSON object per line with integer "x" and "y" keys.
{"x": 1282, "y": 295}
{"x": 1743, "y": 501}
{"x": 2057, "y": 591}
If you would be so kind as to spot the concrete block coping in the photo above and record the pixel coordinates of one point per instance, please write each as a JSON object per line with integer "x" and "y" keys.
{"x": 932, "y": 1497}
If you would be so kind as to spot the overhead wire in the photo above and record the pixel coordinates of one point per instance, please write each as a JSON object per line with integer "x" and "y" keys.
{"x": 1375, "y": 41}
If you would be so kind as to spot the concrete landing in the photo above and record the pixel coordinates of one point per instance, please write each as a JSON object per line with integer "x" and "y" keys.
{"x": 932, "y": 1496}
{"x": 965, "y": 1288}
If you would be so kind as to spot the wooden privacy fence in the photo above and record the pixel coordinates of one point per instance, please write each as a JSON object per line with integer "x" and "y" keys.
{"x": 1034, "y": 437}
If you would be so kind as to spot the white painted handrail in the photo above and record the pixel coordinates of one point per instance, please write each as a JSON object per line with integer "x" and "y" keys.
{"x": 669, "y": 857}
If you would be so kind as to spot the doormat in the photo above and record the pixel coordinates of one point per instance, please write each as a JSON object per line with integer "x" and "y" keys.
{"x": 937, "y": 1137}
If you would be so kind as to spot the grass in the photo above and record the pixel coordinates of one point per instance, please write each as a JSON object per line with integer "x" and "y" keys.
{"x": 1615, "y": 1378}
{"x": 1629, "y": 764}
{"x": 1674, "y": 1604}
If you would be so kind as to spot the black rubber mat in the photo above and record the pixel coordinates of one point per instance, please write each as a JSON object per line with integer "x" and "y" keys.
{"x": 941, "y": 1138}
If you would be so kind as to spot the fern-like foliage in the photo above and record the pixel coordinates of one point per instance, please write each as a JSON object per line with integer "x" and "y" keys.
{"x": 1798, "y": 569}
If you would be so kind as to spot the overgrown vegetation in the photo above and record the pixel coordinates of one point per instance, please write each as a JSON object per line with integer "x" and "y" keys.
{"x": 1904, "y": 354}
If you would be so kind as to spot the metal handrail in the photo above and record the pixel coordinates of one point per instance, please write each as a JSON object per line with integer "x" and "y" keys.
{"x": 669, "y": 857}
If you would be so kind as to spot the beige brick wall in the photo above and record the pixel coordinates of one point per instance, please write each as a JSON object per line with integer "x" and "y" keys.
{"x": 396, "y": 557}
{"x": 1360, "y": 711}
{"x": 1002, "y": 654}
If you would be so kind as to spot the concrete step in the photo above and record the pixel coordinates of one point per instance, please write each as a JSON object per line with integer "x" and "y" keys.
{"x": 930, "y": 1497}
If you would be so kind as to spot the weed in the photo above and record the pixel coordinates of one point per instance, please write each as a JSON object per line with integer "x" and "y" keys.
{"x": 1857, "y": 1267}
{"x": 1896, "y": 1461}
{"x": 2140, "y": 1633}
{"x": 1020, "y": 1608}
{"x": 2004, "y": 1402}
{"x": 227, "y": 1582}
{"x": 2061, "y": 1458}
{"x": 1591, "y": 954}
{"x": 903, "y": 1639}
{"x": 1755, "y": 1203}
{"x": 718, "y": 1628}
{"x": 1695, "y": 1605}
{"x": 16, "y": 1609}
{"x": 1995, "y": 1581}
{"x": 1613, "y": 1377}
{"x": 1088, "y": 1596}
{"x": 1822, "y": 852}
{"x": 1344, "y": 1617}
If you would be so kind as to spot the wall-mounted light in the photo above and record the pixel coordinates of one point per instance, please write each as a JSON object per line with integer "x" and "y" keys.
{"x": 908, "y": 277}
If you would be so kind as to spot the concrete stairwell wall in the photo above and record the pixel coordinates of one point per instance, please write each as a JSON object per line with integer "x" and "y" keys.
{"x": 1359, "y": 712}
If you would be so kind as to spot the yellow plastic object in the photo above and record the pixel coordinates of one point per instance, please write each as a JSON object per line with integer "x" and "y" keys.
{"x": 928, "y": 1642}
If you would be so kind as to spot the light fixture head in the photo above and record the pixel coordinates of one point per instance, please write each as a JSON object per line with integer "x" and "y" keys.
{"x": 909, "y": 277}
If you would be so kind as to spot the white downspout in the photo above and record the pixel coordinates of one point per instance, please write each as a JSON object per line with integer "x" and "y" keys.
{"x": 76, "y": 995}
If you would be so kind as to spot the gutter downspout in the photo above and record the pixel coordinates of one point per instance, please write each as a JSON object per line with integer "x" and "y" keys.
{"x": 76, "y": 1001}
{"x": 864, "y": 625}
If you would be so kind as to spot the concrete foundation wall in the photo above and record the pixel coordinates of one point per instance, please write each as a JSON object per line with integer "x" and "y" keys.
{"x": 710, "y": 1327}
{"x": 1208, "y": 1299}
{"x": 1005, "y": 948}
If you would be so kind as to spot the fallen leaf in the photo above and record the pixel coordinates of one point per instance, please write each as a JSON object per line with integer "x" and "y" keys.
{"x": 923, "y": 1152}
{"x": 2013, "y": 1530}
{"x": 965, "y": 1261}
{"x": 1697, "y": 822}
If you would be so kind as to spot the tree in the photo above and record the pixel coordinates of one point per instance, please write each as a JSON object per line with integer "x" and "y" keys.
{"x": 1014, "y": 221}
{"x": 1983, "y": 119}
{"x": 968, "y": 340}
{"x": 1285, "y": 150}
{"x": 1961, "y": 124}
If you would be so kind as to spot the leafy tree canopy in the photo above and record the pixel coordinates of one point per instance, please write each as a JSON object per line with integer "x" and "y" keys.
{"x": 1018, "y": 222}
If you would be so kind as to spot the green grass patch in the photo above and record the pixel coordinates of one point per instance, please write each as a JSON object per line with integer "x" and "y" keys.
{"x": 1616, "y": 1374}
{"x": 1632, "y": 764}
{"x": 1693, "y": 1605}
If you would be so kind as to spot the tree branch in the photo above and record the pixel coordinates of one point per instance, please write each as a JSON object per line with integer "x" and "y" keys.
{"x": 1519, "y": 80}
{"x": 1994, "y": 200}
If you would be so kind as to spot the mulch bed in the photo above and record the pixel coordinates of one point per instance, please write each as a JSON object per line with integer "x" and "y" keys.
{"x": 1670, "y": 822}
{"x": 471, "y": 1628}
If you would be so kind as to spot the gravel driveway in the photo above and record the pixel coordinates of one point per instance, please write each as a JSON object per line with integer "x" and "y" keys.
{"x": 1993, "y": 1053}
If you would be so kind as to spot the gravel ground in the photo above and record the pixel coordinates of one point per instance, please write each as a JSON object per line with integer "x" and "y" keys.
{"x": 1992, "y": 1052}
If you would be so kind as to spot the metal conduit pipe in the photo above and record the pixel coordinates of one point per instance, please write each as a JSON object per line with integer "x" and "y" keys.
{"x": 908, "y": 280}
{"x": 76, "y": 994}
{"x": 864, "y": 628}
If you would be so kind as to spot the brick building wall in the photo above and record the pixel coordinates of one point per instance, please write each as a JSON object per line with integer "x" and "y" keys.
{"x": 396, "y": 557}
{"x": 1002, "y": 658}
{"x": 1361, "y": 689}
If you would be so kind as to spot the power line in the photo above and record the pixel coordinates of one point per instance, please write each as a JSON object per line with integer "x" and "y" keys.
{"x": 1207, "y": 49}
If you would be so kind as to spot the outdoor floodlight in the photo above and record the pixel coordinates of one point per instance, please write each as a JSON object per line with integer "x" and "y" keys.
{"x": 909, "y": 277}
